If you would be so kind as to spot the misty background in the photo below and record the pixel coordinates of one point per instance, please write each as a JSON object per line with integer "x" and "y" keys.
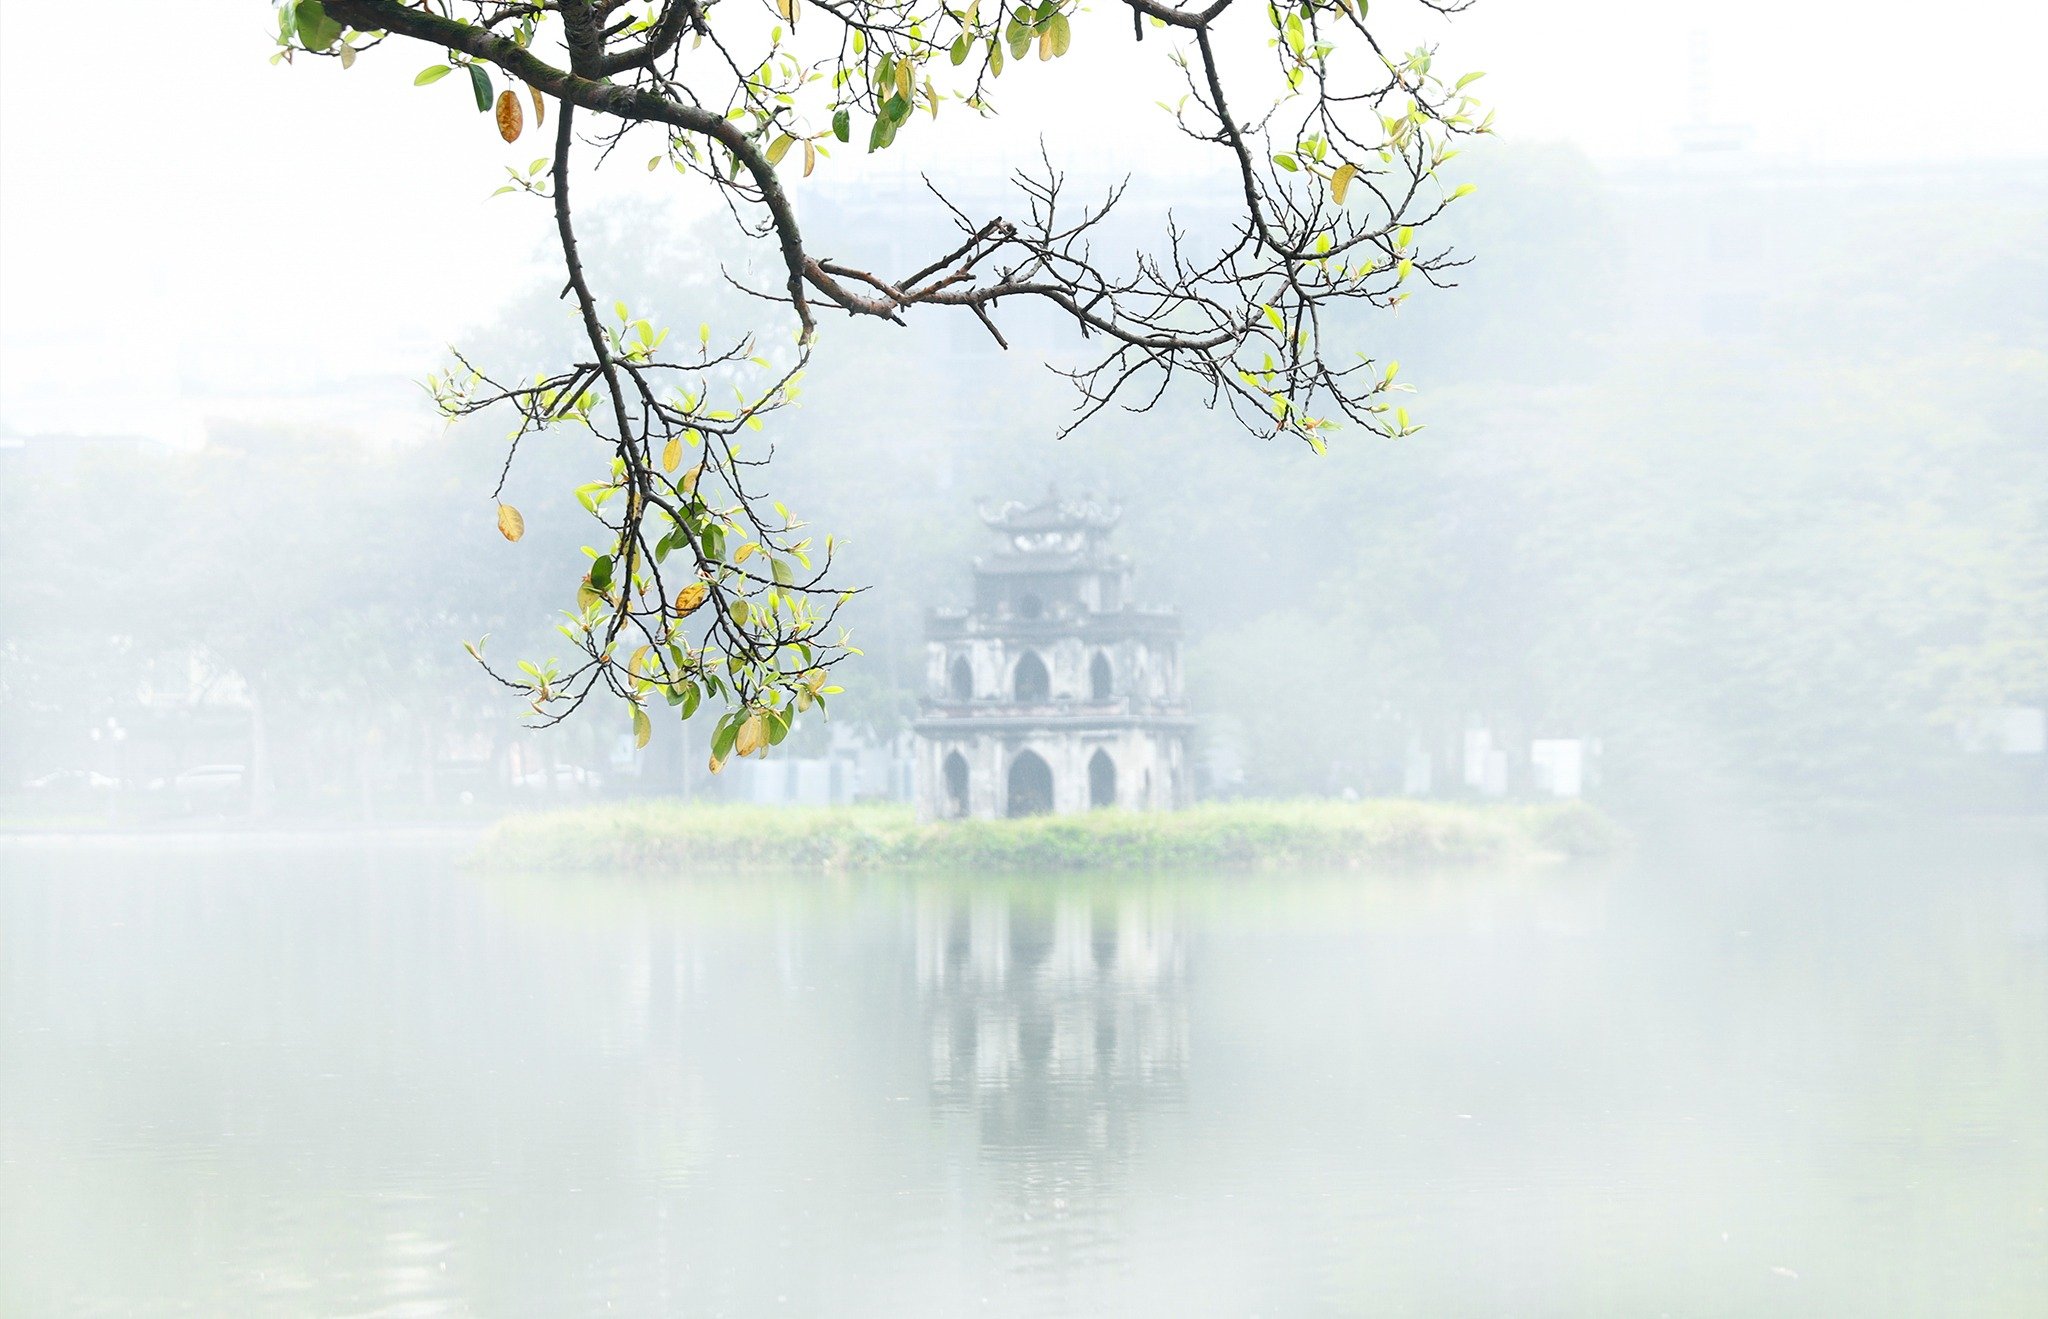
{"x": 1733, "y": 467}
{"x": 1733, "y": 476}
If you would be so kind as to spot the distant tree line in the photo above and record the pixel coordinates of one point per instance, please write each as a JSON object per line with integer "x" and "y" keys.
{"x": 1772, "y": 555}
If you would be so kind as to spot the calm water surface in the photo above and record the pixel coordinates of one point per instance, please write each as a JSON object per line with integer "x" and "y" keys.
{"x": 355, "y": 1079}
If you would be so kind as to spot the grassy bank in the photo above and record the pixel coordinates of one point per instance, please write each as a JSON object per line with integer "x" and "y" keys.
{"x": 672, "y": 837}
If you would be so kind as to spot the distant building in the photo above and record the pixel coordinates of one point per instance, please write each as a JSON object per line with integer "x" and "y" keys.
{"x": 1054, "y": 692}
{"x": 1558, "y": 766}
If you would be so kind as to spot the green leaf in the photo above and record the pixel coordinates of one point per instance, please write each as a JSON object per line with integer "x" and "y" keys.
{"x": 480, "y": 83}
{"x": 780, "y": 148}
{"x": 316, "y": 30}
{"x": 842, "y": 126}
{"x": 432, "y": 73}
{"x": 601, "y": 572}
{"x": 1464, "y": 190}
{"x": 728, "y": 729}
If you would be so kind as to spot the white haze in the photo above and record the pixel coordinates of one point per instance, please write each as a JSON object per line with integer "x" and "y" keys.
{"x": 190, "y": 236}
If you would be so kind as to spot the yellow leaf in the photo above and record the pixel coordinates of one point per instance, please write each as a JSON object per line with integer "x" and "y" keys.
{"x": 691, "y": 598}
{"x": 510, "y": 118}
{"x": 672, "y": 456}
{"x": 753, "y": 735}
{"x": 906, "y": 79}
{"x": 716, "y": 764}
{"x": 510, "y": 524}
{"x": 1045, "y": 44}
{"x": 540, "y": 107}
{"x": 1062, "y": 34}
{"x": 1340, "y": 182}
{"x": 633, "y": 664}
{"x": 643, "y": 727}
{"x": 779, "y": 148}
{"x": 810, "y": 157}
{"x": 690, "y": 481}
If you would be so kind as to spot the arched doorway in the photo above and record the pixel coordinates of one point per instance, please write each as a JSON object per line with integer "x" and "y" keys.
{"x": 1101, "y": 780}
{"x": 1101, "y": 680}
{"x": 962, "y": 680}
{"x": 1031, "y": 683}
{"x": 956, "y": 786}
{"x": 1030, "y": 785}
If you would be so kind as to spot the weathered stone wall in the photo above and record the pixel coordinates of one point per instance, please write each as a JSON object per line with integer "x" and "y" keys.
{"x": 1151, "y": 770}
{"x": 1142, "y": 671}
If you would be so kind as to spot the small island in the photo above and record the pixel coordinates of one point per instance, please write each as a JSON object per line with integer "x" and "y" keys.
{"x": 671, "y": 837}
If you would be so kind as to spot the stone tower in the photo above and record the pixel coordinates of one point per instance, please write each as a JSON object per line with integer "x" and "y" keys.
{"x": 1053, "y": 692}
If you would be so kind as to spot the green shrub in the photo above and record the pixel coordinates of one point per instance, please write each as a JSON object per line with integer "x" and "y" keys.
{"x": 673, "y": 836}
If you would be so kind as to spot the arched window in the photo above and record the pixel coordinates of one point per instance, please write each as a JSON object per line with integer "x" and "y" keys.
{"x": 1101, "y": 780}
{"x": 1101, "y": 679}
{"x": 962, "y": 680}
{"x": 956, "y": 786}
{"x": 1031, "y": 682}
{"x": 1030, "y": 785}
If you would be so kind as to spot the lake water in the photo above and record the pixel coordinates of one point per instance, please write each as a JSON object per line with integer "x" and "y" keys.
{"x": 335, "y": 1078}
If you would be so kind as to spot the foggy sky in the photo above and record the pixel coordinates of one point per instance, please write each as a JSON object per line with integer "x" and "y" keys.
{"x": 189, "y": 234}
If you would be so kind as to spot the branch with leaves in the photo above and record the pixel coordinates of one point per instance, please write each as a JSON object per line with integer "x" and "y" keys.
{"x": 704, "y": 587}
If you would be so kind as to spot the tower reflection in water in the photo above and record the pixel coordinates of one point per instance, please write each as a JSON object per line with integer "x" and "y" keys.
{"x": 1056, "y": 1024}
